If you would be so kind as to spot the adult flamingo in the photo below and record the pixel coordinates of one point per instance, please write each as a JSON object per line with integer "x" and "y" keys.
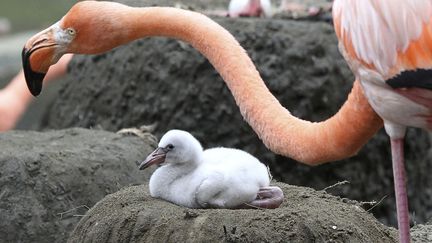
{"x": 250, "y": 8}
{"x": 92, "y": 27}
{"x": 388, "y": 45}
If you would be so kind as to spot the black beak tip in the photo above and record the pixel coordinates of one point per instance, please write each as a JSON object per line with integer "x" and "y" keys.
{"x": 33, "y": 79}
{"x": 142, "y": 167}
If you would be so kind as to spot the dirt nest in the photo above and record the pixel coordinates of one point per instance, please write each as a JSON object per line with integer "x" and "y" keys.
{"x": 49, "y": 180}
{"x": 306, "y": 215}
{"x": 422, "y": 233}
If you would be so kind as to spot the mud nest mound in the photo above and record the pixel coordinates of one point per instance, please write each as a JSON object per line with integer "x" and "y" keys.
{"x": 306, "y": 215}
{"x": 422, "y": 233}
{"x": 49, "y": 180}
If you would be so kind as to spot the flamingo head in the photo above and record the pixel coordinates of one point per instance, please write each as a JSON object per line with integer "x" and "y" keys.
{"x": 176, "y": 147}
{"x": 89, "y": 27}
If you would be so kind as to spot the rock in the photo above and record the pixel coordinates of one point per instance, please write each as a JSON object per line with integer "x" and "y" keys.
{"x": 131, "y": 215}
{"x": 48, "y": 180}
{"x": 422, "y": 233}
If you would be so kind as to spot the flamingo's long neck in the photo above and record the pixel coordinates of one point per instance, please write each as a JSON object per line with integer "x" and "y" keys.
{"x": 338, "y": 137}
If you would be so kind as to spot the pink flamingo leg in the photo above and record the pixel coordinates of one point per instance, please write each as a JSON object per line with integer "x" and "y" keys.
{"x": 267, "y": 197}
{"x": 400, "y": 189}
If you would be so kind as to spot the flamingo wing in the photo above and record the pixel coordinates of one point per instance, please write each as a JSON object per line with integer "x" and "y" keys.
{"x": 389, "y": 37}
{"x": 420, "y": 78}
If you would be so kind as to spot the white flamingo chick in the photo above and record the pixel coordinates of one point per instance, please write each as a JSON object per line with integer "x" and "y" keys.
{"x": 211, "y": 178}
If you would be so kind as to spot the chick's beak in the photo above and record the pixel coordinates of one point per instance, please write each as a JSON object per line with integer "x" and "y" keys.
{"x": 156, "y": 157}
{"x": 38, "y": 54}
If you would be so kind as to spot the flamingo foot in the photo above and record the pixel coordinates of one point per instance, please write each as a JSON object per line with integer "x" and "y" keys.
{"x": 267, "y": 197}
{"x": 400, "y": 189}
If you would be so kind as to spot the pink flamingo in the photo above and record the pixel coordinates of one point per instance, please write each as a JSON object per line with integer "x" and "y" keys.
{"x": 388, "y": 45}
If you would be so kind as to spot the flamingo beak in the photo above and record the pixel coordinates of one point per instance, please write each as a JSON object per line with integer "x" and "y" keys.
{"x": 38, "y": 54}
{"x": 156, "y": 157}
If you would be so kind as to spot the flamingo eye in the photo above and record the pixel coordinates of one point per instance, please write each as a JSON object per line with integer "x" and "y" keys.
{"x": 170, "y": 147}
{"x": 71, "y": 31}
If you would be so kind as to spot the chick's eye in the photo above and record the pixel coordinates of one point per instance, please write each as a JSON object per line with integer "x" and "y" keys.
{"x": 170, "y": 146}
{"x": 71, "y": 31}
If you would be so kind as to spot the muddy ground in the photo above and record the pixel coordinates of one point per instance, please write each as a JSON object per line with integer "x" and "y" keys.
{"x": 167, "y": 82}
{"x": 48, "y": 180}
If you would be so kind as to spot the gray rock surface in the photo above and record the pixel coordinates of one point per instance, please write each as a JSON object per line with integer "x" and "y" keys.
{"x": 422, "y": 233}
{"x": 49, "y": 180}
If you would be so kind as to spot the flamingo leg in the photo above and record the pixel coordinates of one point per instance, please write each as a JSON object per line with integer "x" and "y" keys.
{"x": 267, "y": 197}
{"x": 400, "y": 189}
